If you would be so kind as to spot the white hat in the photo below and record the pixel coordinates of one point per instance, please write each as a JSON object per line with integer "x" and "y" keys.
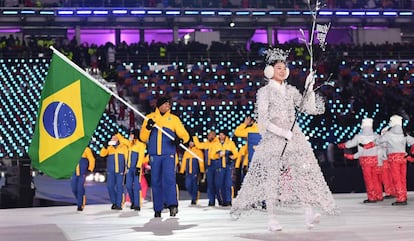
{"x": 367, "y": 122}
{"x": 395, "y": 120}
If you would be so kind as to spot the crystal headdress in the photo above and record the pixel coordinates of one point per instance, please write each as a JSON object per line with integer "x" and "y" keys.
{"x": 275, "y": 54}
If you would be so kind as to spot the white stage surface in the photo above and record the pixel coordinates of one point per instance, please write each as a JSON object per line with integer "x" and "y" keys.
{"x": 357, "y": 222}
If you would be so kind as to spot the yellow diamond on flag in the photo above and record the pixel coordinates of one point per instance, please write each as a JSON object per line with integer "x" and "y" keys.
{"x": 60, "y": 120}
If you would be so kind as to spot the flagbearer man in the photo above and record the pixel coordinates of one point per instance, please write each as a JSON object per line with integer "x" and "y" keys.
{"x": 162, "y": 151}
{"x": 86, "y": 163}
{"x": 116, "y": 156}
{"x": 136, "y": 153}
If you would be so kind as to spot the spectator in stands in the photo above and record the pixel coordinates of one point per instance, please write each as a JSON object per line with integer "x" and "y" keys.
{"x": 162, "y": 151}
{"x": 85, "y": 165}
{"x": 283, "y": 173}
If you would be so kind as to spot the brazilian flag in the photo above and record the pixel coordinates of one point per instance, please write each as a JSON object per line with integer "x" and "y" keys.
{"x": 70, "y": 108}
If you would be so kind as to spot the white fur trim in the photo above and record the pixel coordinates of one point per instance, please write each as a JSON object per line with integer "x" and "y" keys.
{"x": 287, "y": 73}
{"x": 269, "y": 72}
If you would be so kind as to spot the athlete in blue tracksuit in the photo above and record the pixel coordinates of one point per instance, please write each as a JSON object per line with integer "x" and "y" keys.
{"x": 193, "y": 169}
{"x": 225, "y": 153}
{"x": 136, "y": 153}
{"x": 249, "y": 130}
{"x": 211, "y": 165}
{"x": 162, "y": 151}
{"x": 115, "y": 154}
{"x": 86, "y": 163}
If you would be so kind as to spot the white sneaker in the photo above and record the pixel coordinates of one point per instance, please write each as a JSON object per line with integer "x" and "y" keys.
{"x": 311, "y": 218}
{"x": 274, "y": 225}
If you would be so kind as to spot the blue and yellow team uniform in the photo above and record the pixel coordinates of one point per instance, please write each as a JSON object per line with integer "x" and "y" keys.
{"x": 211, "y": 166}
{"x": 135, "y": 159}
{"x": 193, "y": 169}
{"x": 251, "y": 133}
{"x": 224, "y": 169}
{"x": 115, "y": 165}
{"x": 162, "y": 152}
{"x": 86, "y": 163}
{"x": 242, "y": 161}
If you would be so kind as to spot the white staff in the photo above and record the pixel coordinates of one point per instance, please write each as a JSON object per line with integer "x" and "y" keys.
{"x": 119, "y": 98}
{"x": 322, "y": 32}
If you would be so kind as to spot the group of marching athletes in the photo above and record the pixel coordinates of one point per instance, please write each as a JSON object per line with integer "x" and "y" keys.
{"x": 212, "y": 160}
{"x": 383, "y": 159}
{"x": 125, "y": 159}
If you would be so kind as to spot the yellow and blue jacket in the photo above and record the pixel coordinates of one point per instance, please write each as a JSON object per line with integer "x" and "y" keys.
{"x": 115, "y": 157}
{"x": 189, "y": 160}
{"x": 228, "y": 148}
{"x": 242, "y": 157}
{"x": 87, "y": 162}
{"x": 206, "y": 146}
{"x": 157, "y": 142}
{"x": 136, "y": 151}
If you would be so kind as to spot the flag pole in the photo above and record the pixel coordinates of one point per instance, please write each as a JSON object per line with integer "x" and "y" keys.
{"x": 86, "y": 74}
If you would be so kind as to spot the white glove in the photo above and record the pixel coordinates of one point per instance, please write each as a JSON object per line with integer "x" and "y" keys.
{"x": 287, "y": 134}
{"x": 310, "y": 81}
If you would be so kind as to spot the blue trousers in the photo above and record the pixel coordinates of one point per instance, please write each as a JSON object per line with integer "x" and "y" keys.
{"x": 214, "y": 182}
{"x": 133, "y": 187}
{"x": 78, "y": 188}
{"x": 115, "y": 187}
{"x": 191, "y": 184}
{"x": 163, "y": 181}
{"x": 227, "y": 183}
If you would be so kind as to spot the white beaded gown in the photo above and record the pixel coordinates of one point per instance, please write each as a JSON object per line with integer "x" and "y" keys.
{"x": 294, "y": 181}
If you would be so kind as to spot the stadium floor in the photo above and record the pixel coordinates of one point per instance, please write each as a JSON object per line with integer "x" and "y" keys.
{"x": 357, "y": 221}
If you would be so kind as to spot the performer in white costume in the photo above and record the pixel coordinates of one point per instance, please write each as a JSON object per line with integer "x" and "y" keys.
{"x": 396, "y": 142}
{"x": 368, "y": 159}
{"x": 292, "y": 181}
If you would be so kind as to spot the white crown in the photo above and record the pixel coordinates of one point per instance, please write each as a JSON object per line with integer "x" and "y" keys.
{"x": 275, "y": 54}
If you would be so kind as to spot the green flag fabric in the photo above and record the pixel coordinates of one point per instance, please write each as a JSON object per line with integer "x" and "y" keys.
{"x": 70, "y": 108}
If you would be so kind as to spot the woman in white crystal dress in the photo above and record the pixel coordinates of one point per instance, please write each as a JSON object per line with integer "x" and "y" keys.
{"x": 292, "y": 181}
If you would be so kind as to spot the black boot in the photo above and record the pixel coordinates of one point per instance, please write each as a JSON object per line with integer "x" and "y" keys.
{"x": 136, "y": 208}
{"x": 157, "y": 214}
{"x": 173, "y": 210}
{"x": 402, "y": 203}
